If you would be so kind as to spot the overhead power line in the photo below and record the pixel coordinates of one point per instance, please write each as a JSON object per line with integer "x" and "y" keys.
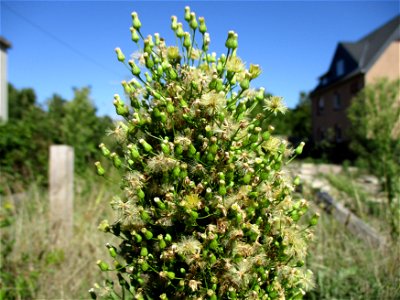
{"x": 60, "y": 41}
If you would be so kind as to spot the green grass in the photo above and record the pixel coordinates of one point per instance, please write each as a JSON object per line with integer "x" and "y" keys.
{"x": 346, "y": 184}
{"x": 369, "y": 206}
{"x": 58, "y": 273}
{"x": 344, "y": 266}
{"x": 347, "y": 268}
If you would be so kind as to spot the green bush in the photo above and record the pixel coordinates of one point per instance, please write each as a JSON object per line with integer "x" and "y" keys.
{"x": 375, "y": 117}
{"x": 25, "y": 139}
{"x": 206, "y": 211}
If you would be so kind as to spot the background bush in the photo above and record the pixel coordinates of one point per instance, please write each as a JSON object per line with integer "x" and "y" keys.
{"x": 375, "y": 117}
{"x": 26, "y": 137}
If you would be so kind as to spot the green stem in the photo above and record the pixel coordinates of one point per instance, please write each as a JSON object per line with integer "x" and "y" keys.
{"x": 149, "y": 134}
{"x": 290, "y": 160}
{"x": 205, "y": 217}
{"x": 140, "y": 34}
{"x": 226, "y": 60}
{"x": 233, "y": 101}
{"x": 191, "y": 46}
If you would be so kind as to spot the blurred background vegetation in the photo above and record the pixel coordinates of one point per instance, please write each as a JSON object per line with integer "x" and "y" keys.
{"x": 31, "y": 267}
{"x": 25, "y": 139}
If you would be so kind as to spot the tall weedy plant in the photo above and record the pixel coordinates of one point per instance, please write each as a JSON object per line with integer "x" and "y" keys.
{"x": 206, "y": 211}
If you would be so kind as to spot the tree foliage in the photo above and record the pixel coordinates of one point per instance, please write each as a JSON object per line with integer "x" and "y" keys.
{"x": 375, "y": 117}
{"x": 299, "y": 119}
{"x": 81, "y": 128}
{"x": 26, "y": 137}
{"x": 23, "y": 139}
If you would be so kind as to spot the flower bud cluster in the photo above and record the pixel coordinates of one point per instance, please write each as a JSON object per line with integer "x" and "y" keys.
{"x": 206, "y": 211}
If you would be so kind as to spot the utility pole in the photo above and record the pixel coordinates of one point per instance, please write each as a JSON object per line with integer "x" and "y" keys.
{"x": 4, "y": 45}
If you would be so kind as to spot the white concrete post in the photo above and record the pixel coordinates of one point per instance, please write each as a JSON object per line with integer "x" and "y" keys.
{"x": 61, "y": 192}
{"x": 4, "y": 45}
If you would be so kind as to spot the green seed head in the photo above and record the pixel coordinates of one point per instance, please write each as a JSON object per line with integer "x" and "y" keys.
{"x": 232, "y": 40}
{"x": 174, "y": 23}
{"x": 120, "y": 108}
{"x": 144, "y": 251}
{"x": 112, "y": 250}
{"x": 245, "y": 84}
{"x": 299, "y": 148}
{"x": 116, "y": 160}
{"x": 206, "y": 42}
{"x": 146, "y": 146}
{"x": 193, "y": 21}
{"x": 187, "y": 41}
{"x": 135, "y": 21}
{"x": 120, "y": 55}
{"x": 134, "y": 68}
{"x": 179, "y": 31}
{"x": 171, "y": 275}
{"x": 314, "y": 219}
{"x": 187, "y": 13}
{"x": 203, "y": 27}
{"x": 127, "y": 87}
{"x": 168, "y": 238}
{"x": 100, "y": 169}
{"x": 103, "y": 265}
{"x": 134, "y": 35}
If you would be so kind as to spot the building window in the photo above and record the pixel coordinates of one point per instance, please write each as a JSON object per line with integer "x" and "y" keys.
{"x": 339, "y": 67}
{"x": 321, "y": 105}
{"x": 338, "y": 134}
{"x": 337, "y": 102}
{"x": 321, "y": 134}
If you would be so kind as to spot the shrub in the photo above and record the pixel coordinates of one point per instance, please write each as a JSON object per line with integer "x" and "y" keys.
{"x": 206, "y": 210}
{"x": 375, "y": 116}
{"x": 31, "y": 130}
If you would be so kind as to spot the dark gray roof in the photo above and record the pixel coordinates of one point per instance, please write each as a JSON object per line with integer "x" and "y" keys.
{"x": 368, "y": 49}
{"x": 4, "y": 44}
{"x": 365, "y": 51}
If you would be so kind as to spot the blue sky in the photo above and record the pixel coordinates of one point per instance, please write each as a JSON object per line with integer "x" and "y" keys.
{"x": 58, "y": 45}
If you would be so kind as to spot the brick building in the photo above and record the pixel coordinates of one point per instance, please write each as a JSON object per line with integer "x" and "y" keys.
{"x": 354, "y": 65}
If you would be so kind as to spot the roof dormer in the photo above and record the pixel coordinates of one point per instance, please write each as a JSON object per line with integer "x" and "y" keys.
{"x": 340, "y": 67}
